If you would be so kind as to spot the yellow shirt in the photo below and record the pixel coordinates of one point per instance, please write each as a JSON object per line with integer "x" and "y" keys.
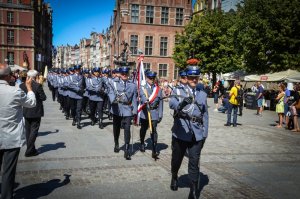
{"x": 233, "y": 93}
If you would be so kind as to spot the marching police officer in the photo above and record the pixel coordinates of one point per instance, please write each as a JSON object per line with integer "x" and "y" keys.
{"x": 182, "y": 79}
{"x": 123, "y": 98}
{"x": 85, "y": 99}
{"x": 76, "y": 90}
{"x": 154, "y": 107}
{"x": 96, "y": 92}
{"x": 190, "y": 128}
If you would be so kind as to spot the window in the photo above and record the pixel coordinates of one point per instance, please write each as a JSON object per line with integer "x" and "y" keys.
{"x": 134, "y": 13}
{"x": 9, "y": 1}
{"x": 147, "y": 66}
{"x": 162, "y": 70}
{"x": 179, "y": 16}
{"x": 148, "y": 45}
{"x": 133, "y": 44}
{"x": 163, "y": 46}
{"x": 149, "y": 14}
{"x": 164, "y": 15}
{"x": 10, "y": 17}
{"x": 10, "y": 36}
{"x": 176, "y": 71}
{"x": 11, "y": 58}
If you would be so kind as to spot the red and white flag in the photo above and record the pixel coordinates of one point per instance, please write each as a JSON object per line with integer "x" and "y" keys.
{"x": 141, "y": 83}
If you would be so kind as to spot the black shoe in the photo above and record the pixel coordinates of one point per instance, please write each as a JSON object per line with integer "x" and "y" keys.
{"x": 78, "y": 124}
{"x": 116, "y": 149}
{"x": 127, "y": 153}
{"x": 193, "y": 190}
{"x": 234, "y": 125}
{"x": 143, "y": 147}
{"x": 226, "y": 124}
{"x": 155, "y": 154}
{"x": 101, "y": 124}
{"x": 110, "y": 116}
{"x": 174, "y": 183}
{"x": 35, "y": 153}
{"x": 67, "y": 117}
{"x": 73, "y": 123}
{"x": 92, "y": 123}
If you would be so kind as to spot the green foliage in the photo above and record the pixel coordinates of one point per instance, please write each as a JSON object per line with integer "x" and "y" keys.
{"x": 268, "y": 35}
{"x": 210, "y": 39}
{"x": 262, "y": 36}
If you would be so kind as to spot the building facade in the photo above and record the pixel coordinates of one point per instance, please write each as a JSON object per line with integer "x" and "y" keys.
{"x": 26, "y": 33}
{"x": 150, "y": 27}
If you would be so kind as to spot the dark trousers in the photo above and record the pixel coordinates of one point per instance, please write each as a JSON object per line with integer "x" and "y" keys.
{"x": 76, "y": 106}
{"x": 32, "y": 126}
{"x": 194, "y": 150}
{"x": 67, "y": 105}
{"x": 106, "y": 103}
{"x": 54, "y": 93}
{"x": 231, "y": 108}
{"x": 9, "y": 158}
{"x": 60, "y": 99}
{"x": 118, "y": 121}
{"x": 84, "y": 104}
{"x": 96, "y": 106}
{"x": 144, "y": 127}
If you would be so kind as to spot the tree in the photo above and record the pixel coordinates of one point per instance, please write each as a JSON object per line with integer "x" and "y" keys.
{"x": 209, "y": 38}
{"x": 268, "y": 35}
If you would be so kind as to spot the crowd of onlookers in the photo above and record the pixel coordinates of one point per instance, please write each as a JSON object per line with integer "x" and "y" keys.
{"x": 286, "y": 102}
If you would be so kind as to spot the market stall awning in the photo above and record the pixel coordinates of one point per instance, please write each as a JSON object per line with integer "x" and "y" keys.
{"x": 239, "y": 74}
{"x": 17, "y": 67}
{"x": 288, "y": 75}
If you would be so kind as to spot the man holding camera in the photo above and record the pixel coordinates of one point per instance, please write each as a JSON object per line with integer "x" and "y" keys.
{"x": 12, "y": 127}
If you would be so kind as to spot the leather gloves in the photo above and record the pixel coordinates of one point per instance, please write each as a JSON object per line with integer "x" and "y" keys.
{"x": 185, "y": 101}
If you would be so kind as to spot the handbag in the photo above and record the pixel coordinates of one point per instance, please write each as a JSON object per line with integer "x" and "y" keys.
{"x": 297, "y": 106}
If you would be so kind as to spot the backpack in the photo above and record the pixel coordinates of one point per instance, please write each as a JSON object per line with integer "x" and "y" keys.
{"x": 239, "y": 96}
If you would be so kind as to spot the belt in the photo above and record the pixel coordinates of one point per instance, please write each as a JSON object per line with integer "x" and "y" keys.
{"x": 192, "y": 119}
{"x": 125, "y": 103}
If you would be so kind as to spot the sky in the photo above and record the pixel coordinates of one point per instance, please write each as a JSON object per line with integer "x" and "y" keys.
{"x": 76, "y": 19}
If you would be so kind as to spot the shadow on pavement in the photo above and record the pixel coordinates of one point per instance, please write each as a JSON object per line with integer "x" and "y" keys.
{"x": 47, "y": 132}
{"x": 35, "y": 191}
{"x": 184, "y": 182}
{"x": 51, "y": 147}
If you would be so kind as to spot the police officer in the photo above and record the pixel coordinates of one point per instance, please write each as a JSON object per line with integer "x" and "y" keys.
{"x": 190, "y": 128}
{"x": 76, "y": 90}
{"x": 54, "y": 84}
{"x": 183, "y": 78}
{"x": 96, "y": 91}
{"x": 155, "y": 107}
{"x": 106, "y": 105}
{"x": 123, "y": 98}
{"x": 85, "y": 99}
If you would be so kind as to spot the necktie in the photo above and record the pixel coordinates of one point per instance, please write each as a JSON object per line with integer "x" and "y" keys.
{"x": 194, "y": 93}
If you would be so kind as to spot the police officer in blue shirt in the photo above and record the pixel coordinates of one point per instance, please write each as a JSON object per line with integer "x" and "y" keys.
{"x": 95, "y": 89}
{"x": 156, "y": 112}
{"x": 123, "y": 98}
{"x": 76, "y": 90}
{"x": 190, "y": 128}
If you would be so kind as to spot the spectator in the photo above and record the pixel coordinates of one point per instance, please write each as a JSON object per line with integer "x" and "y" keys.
{"x": 216, "y": 91}
{"x": 286, "y": 100}
{"x": 259, "y": 98}
{"x": 295, "y": 107}
{"x": 11, "y": 127}
{"x": 241, "y": 105}
{"x": 233, "y": 104}
{"x": 33, "y": 115}
{"x": 280, "y": 105}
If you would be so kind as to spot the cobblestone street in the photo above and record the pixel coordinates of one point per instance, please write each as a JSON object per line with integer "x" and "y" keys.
{"x": 254, "y": 160}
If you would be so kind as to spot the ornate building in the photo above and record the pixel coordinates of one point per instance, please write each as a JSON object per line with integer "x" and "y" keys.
{"x": 150, "y": 26}
{"x": 26, "y": 33}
